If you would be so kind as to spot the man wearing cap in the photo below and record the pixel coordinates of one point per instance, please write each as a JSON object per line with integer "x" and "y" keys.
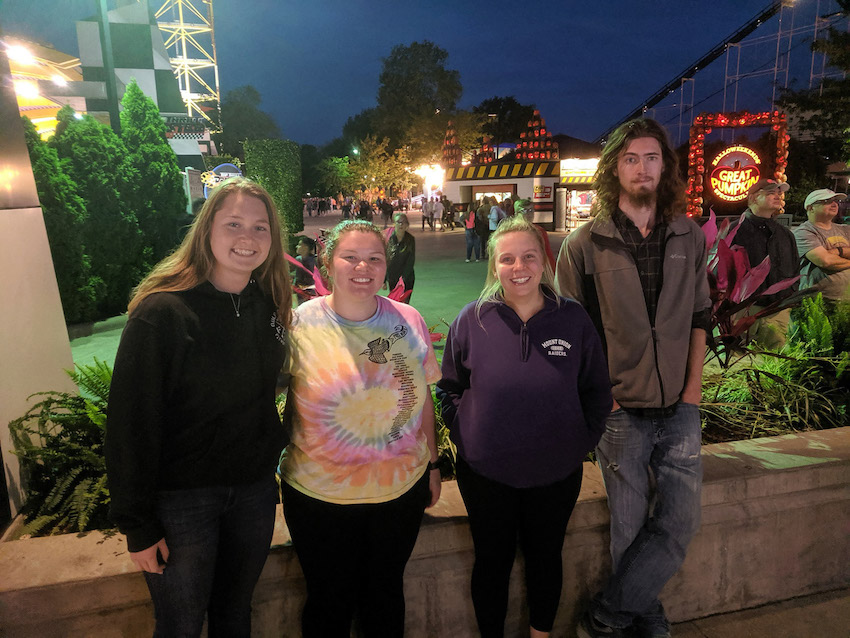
{"x": 825, "y": 246}
{"x": 762, "y": 236}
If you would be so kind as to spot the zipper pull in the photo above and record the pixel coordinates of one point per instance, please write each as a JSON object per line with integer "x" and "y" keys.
{"x": 523, "y": 339}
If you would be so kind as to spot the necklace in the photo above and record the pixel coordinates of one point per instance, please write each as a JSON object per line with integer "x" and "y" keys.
{"x": 237, "y": 303}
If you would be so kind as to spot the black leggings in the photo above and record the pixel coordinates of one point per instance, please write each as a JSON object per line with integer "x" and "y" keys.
{"x": 353, "y": 559}
{"x": 498, "y": 514}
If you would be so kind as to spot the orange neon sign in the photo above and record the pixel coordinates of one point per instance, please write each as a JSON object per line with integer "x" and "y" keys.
{"x": 730, "y": 180}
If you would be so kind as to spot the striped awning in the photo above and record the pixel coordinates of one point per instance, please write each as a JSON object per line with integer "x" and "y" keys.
{"x": 504, "y": 170}
{"x": 577, "y": 179}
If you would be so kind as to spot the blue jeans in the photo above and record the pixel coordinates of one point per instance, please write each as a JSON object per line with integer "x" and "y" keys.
{"x": 218, "y": 539}
{"x": 473, "y": 241}
{"x": 650, "y": 532}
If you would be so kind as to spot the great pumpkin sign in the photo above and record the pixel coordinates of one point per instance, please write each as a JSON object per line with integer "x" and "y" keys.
{"x": 735, "y": 171}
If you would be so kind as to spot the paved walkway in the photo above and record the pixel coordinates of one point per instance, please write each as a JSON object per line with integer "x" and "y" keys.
{"x": 818, "y": 616}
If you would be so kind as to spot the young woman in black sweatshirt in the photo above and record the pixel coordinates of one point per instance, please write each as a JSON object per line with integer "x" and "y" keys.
{"x": 193, "y": 434}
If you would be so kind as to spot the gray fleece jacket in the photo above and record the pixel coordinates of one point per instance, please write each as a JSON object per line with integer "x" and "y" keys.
{"x": 647, "y": 363}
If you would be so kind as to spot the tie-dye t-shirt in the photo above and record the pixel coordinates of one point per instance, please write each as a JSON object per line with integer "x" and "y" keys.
{"x": 359, "y": 389}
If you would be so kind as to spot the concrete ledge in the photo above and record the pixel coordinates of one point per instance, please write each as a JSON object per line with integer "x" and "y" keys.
{"x": 776, "y": 524}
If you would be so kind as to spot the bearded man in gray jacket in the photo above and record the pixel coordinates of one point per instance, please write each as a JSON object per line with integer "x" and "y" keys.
{"x": 639, "y": 269}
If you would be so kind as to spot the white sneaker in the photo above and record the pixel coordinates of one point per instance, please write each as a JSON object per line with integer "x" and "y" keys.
{"x": 467, "y": 261}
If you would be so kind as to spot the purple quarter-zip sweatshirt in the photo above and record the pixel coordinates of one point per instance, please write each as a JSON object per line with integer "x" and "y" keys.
{"x": 525, "y": 401}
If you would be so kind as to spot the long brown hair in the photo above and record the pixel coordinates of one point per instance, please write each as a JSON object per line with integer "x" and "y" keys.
{"x": 671, "y": 187}
{"x": 193, "y": 261}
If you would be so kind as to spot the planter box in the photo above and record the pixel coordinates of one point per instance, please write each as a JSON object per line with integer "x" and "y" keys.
{"x": 776, "y": 525}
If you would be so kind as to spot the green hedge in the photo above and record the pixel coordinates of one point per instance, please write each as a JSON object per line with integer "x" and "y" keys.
{"x": 276, "y": 165}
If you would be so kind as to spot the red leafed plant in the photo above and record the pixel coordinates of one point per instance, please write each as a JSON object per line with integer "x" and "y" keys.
{"x": 734, "y": 287}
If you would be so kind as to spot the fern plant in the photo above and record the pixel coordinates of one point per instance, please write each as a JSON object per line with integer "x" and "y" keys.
{"x": 60, "y": 442}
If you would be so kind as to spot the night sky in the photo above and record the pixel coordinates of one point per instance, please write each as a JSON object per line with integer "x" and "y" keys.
{"x": 584, "y": 64}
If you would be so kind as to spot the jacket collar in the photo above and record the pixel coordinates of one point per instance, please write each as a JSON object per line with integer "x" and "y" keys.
{"x": 605, "y": 230}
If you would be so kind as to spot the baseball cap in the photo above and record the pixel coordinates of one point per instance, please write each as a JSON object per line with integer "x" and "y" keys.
{"x": 822, "y": 195}
{"x": 765, "y": 184}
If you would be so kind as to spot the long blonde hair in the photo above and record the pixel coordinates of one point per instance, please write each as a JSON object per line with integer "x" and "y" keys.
{"x": 492, "y": 290}
{"x": 192, "y": 262}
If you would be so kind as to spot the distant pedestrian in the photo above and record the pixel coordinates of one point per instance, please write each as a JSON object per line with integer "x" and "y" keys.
{"x": 427, "y": 213}
{"x": 401, "y": 252}
{"x": 482, "y": 224}
{"x": 473, "y": 241}
{"x": 437, "y": 213}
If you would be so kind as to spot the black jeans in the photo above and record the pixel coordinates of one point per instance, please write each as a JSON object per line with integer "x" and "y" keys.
{"x": 218, "y": 539}
{"x": 498, "y": 515}
{"x": 353, "y": 558}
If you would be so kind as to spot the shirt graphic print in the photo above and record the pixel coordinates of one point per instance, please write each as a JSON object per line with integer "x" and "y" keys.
{"x": 359, "y": 390}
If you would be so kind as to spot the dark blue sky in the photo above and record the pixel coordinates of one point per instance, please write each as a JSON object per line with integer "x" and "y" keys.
{"x": 584, "y": 64}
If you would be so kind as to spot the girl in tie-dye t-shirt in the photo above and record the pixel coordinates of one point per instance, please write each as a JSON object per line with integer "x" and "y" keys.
{"x": 361, "y": 465}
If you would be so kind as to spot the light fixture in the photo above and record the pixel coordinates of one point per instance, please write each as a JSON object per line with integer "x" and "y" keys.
{"x": 26, "y": 89}
{"x": 20, "y": 54}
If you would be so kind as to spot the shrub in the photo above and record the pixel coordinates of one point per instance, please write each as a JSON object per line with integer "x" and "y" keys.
{"x": 64, "y": 219}
{"x": 156, "y": 194}
{"x": 60, "y": 441}
{"x": 276, "y": 166}
{"x": 96, "y": 160}
{"x": 806, "y": 386}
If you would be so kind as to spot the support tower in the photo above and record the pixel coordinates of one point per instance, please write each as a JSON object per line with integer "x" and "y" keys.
{"x": 189, "y": 34}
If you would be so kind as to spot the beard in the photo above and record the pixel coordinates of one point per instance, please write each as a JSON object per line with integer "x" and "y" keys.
{"x": 640, "y": 199}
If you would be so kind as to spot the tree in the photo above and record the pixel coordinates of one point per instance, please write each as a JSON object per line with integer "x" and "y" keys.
{"x": 310, "y": 173}
{"x": 378, "y": 167}
{"x": 242, "y": 119}
{"x": 276, "y": 166}
{"x": 157, "y": 193}
{"x": 824, "y": 112}
{"x": 358, "y": 127}
{"x": 424, "y": 138}
{"x": 64, "y": 218}
{"x": 335, "y": 175}
{"x": 414, "y": 82}
{"x": 94, "y": 157}
{"x": 510, "y": 118}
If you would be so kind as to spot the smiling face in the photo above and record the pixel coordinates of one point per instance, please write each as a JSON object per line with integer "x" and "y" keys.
{"x": 357, "y": 266}
{"x": 519, "y": 266}
{"x": 639, "y": 168}
{"x": 240, "y": 240}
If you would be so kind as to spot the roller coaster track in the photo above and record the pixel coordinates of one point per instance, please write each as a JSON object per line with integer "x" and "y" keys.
{"x": 692, "y": 69}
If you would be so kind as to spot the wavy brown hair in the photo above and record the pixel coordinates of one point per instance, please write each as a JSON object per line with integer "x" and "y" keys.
{"x": 193, "y": 261}
{"x": 671, "y": 187}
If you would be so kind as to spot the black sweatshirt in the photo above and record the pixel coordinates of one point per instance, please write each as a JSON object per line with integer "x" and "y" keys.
{"x": 192, "y": 401}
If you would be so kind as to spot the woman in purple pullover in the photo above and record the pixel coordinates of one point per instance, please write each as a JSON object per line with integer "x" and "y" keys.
{"x": 525, "y": 392}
